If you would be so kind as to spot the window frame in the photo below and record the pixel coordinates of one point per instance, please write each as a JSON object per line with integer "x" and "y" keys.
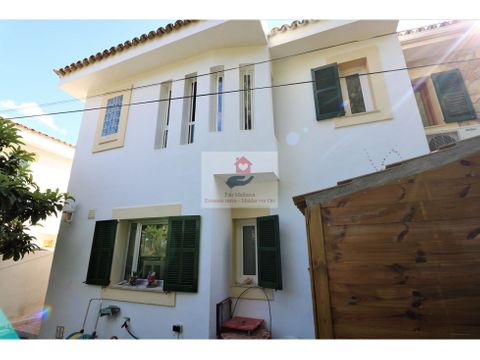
{"x": 190, "y": 108}
{"x": 240, "y": 277}
{"x": 216, "y": 99}
{"x": 345, "y": 71}
{"x": 117, "y": 139}
{"x": 246, "y": 93}
{"x": 380, "y": 93}
{"x": 164, "y": 115}
{"x": 138, "y": 235}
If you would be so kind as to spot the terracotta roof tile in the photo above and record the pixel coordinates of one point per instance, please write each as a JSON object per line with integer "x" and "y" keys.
{"x": 427, "y": 27}
{"x": 66, "y": 70}
{"x": 287, "y": 27}
{"x": 19, "y": 125}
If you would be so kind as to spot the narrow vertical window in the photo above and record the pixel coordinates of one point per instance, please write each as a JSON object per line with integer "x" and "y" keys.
{"x": 249, "y": 251}
{"x": 246, "y": 105}
{"x": 166, "y": 113}
{"x": 189, "y": 110}
{"x": 219, "y": 107}
{"x": 217, "y": 82}
{"x": 355, "y": 94}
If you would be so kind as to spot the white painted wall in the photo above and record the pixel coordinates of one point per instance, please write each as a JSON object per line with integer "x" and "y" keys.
{"x": 138, "y": 175}
{"x": 50, "y": 170}
{"x": 24, "y": 285}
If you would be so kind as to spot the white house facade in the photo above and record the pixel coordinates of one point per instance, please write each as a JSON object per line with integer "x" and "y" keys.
{"x": 194, "y": 140}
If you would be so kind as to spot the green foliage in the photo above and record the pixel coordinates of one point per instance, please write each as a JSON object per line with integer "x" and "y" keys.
{"x": 22, "y": 204}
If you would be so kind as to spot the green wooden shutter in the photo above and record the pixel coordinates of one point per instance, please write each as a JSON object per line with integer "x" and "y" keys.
{"x": 327, "y": 92}
{"x": 182, "y": 254}
{"x": 453, "y": 96}
{"x": 102, "y": 253}
{"x": 268, "y": 248}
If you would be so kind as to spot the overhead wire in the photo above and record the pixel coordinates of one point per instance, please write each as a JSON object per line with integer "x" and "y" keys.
{"x": 203, "y": 74}
{"x": 145, "y": 102}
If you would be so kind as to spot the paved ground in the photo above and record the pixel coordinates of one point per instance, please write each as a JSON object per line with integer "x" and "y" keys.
{"x": 27, "y": 328}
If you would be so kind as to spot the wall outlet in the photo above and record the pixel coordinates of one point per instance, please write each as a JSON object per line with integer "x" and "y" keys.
{"x": 59, "y": 331}
{"x": 177, "y": 328}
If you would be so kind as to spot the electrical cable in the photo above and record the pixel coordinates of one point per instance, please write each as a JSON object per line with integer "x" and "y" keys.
{"x": 232, "y": 91}
{"x": 125, "y": 325}
{"x": 201, "y": 75}
{"x": 266, "y": 297}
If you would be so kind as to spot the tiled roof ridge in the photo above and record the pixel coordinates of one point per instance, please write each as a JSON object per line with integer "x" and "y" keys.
{"x": 287, "y": 27}
{"x": 43, "y": 134}
{"x": 122, "y": 46}
{"x": 427, "y": 27}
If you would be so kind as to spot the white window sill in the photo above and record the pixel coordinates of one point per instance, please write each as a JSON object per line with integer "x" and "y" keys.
{"x": 141, "y": 295}
{"x": 141, "y": 286}
{"x": 362, "y": 118}
{"x": 361, "y": 114}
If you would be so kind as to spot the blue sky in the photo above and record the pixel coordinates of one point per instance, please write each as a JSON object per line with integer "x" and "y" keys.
{"x": 31, "y": 49}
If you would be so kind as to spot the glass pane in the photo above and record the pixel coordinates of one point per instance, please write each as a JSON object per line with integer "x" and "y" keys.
{"x": 219, "y": 103}
{"x": 357, "y": 105}
{"x": 249, "y": 251}
{"x": 112, "y": 116}
{"x": 153, "y": 248}
{"x": 130, "y": 251}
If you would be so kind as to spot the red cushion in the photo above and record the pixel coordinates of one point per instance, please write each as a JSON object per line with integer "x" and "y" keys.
{"x": 242, "y": 323}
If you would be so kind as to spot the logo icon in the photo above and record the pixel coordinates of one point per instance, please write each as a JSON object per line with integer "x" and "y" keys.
{"x": 242, "y": 166}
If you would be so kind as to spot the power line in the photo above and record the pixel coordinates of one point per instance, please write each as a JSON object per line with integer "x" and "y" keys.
{"x": 236, "y": 90}
{"x": 204, "y": 74}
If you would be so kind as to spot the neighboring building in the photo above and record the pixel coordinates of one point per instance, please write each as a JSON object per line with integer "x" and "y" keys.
{"x": 197, "y": 187}
{"x": 448, "y": 95}
{"x": 24, "y": 283}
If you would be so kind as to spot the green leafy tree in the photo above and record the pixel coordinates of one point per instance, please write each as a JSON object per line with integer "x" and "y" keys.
{"x": 22, "y": 204}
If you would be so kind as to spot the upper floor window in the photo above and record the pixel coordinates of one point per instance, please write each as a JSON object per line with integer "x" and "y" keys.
{"x": 216, "y": 100}
{"x": 246, "y": 97}
{"x": 342, "y": 89}
{"x": 112, "y": 121}
{"x": 189, "y": 108}
{"x": 112, "y": 115}
{"x": 163, "y": 121}
{"x": 443, "y": 98}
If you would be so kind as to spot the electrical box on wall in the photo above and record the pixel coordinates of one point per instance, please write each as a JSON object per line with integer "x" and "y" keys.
{"x": 59, "y": 331}
{"x": 177, "y": 328}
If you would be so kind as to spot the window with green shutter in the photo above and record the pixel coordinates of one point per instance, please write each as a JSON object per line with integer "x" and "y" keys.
{"x": 327, "y": 92}
{"x": 182, "y": 254}
{"x": 453, "y": 96}
{"x": 102, "y": 253}
{"x": 268, "y": 249}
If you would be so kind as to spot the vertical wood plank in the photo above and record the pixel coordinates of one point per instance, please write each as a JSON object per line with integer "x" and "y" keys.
{"x": 319, "y": 273}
